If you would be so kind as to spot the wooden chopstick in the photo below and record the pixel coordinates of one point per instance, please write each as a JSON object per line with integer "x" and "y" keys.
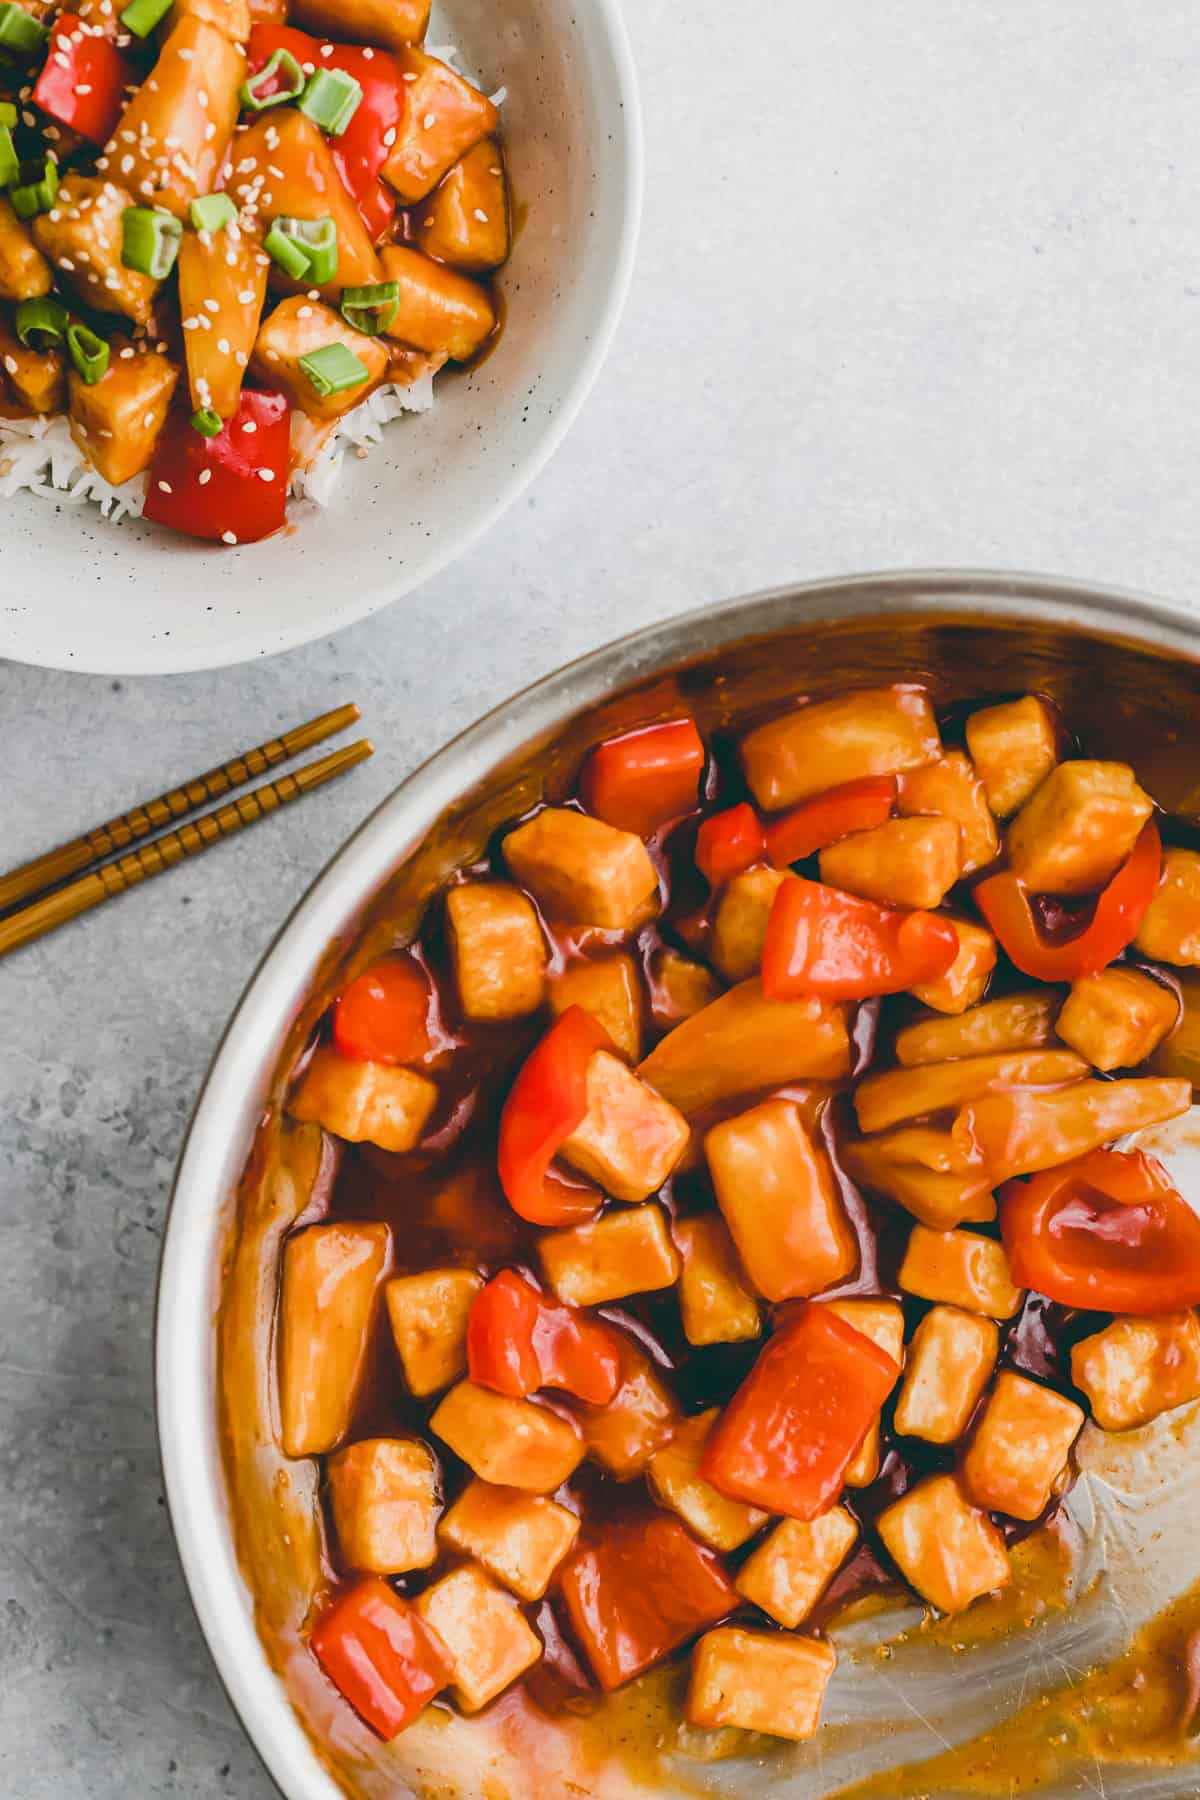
{"x": 52, "y": 910}
{"x": 56, "y": 865}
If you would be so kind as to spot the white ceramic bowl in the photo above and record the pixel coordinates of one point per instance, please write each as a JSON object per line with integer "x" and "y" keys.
{"x": 76, "y": 593}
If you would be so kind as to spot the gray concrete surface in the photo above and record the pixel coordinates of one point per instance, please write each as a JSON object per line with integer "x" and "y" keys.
{"x": 918, "y": 285}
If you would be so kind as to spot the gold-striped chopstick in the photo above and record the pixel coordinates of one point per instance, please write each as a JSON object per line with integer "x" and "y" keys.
{"x": 57, "y": 865}
{"x": 114, "y": 878}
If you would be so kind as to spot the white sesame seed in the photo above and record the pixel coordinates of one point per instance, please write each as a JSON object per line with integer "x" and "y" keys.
{"x": 64, "y": 262}
{"x": 184, "y": 55}
{"x": 409, "y": 75}
{"x": 10, "y": 363}
{"x": 389, "y": 136}
{"x": 203, "y": 323}
{"x": 54, "y": 215}
{"x": 202, "y": 100}
{"x": 246, "y": 297}
{"x": 190, "y": 324}
{"x": 240, "y": 358}
{"x": 126, "y": 353}
{"x": 481, "y": 215}
{"x": 313, "y": 294}
{"x": 248, "y": 426}
{"x": 429, "y": 121}
{"x": 305, "y": 312}
{"x": 164, "y": 487}
{"x": 204, "y": 477}
{"x": 495, "y": 169}
{"x": 326, "y": 49}
{"x": 223, "y": 346}
{"x": 266, "y": 474}
{"x": 212, "y": 306}
{"x": 82, "y": 88}
{"x": 227, "y": 537}
{"x": 148, "y": 421}
{"x": 210, "y": 132}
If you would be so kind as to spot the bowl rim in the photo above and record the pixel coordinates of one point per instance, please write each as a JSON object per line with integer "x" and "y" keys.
{"x": 221, "y": 1127}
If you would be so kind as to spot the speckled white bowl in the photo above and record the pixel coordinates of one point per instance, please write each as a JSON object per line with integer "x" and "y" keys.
{"x": 76, "y": 593}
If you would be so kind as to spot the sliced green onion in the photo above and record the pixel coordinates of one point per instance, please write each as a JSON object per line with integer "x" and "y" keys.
{"x": 36, "y": 195}
{"x": 256, "y": 93}
{"x": 41, "y": 323}
{"x": 20, "y": 32}
{"x": 10, "y": 162}
{"x": 207, "y": 422}
{"x": 331, "y": 100}
{"x": 371, "y": 309}
{"x": 89, "y": 353}
{"x": 141, "y": 16}
{"x": 212, "y": 212}
{"x": 284, "y": 250}
{"x": 333, "y": 368}
{"x": 8, "y": 113}
{"x": 150, "y": 241}
{"x": 307, "y": 249}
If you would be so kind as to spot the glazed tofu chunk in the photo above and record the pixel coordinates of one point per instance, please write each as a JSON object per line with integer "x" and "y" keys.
{"x": 511, "y": 1443}
{"x": 518, "y": 1538}
{"x": 1014, "y": 747}
{"x": 1018, "y": 1022}
{"x": 1020, "y": 1446}
{"x": 24, "y": 271}
{"x": 116, "y": 421}
{"x": 759, "y": 1681}
{"x": 639, "y": 1419}
{"x": 883, "y": 1322}
{"x": 898, "y": 1094}
{"x": 776, "y": 1192}
{"x": 1170, "y": 931}
{"x": 1136, "y": 1368}
{"x": 497, "y": 949}
{"x": 952, "y": 789}
{"x": 962, "y": 1269}
{"x": 680, "y": 988}
{"x": 1117, "y": 1018}
{"x": 716, "y": 1304}
{"x": 676, "y": 1483}
{"x": 903, "y": 862}
{"x": 740, "y": 926}
{"x": 620, "y": 1254}
{"x": 364, "y": 1102}
{"x": 441, "y": 312}
{"x": 880, "y": 731}
{"x": 610, "y": 989}
{"x": 949, "y": 1363}
{"x": 787, "y": 1574}
{"x": 465, "y": 221}
{"x": 582, "y": 871}
{"x": 331, "y": 1275}
{"x": 491, "y": 1643}
{"x": 744, "y": 1041}
{"x": 629, "y": 1139}
{"x": 444, "y": 117}
{"x": 943, "y": 1546}
{"x": 395, "y": 24}
{"x": 384, "y": 1494}
{"x": 966, "y": 980}
{"x": 428, "y": 1315}
{"x": 37, "y": 378}
{"x": 298, "y": 328}
{"x": 1075, "y": 832}
{"x": 82, "y": 235}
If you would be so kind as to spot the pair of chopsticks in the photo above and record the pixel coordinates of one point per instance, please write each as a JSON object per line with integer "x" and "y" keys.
{"x": 52, "y": 904}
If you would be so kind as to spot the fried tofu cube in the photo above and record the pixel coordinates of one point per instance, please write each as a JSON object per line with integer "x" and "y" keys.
{"x": 759, "y": 1681}
{"x": 1116, "y": 1018}
{"x": 789, "y": 1572}
{"x": 611, "y": 990}
{"x": 509, "y": 1442}
{"x": 519, "y": 1538}
{"x": 38, "y": 378}
{"x": 951, "y": 788}
{"x": 465, "y": 221}
{"x": 298, "y": 327}
{"x": 428, "y": 1315}
{"x": 744, "y": 1041}
{"x": 740, "y": 926}
{"x": 364, "y": 1102}
{"x": 384, "y": 1494}
{"x": 1170, "y": 931}
{"x": 883, "y": 1322}
{"x": 331, "y": 1275}
{"x": 1075, "y": 832}
{"x": 1014, "y": 747}
{"x": 1019, "y": 1449}
{"x": 394, "y": 24}
{"x": 961, "y": 1268}
{"x": 444, "y": 117}
{"x": 903, "y": 862}
{"x": 24, "y": 271}
{"x": 966, "y": 980}
{"x": 441, "y": 312}
{"x": 950, "y": 1362}
{"x": 639, "y": 1419}
{"x": 1018, "y": 1022}
{"x": 629, "y": 1139}
{"x": 679, "y": 988}
{"x": 1137, "y": 1368}
{"x": 923, "y": 1170}
{"x": 620, "y": 1254}
{"x": 82, "y": 235}
{"x": 777, "y": 1195}
{"x": 490, "y": 1641}
{"x": 497, "y": 948}
{"x": 945, "y": 1548}
{"x": 582, "y": 871}
{"x": 716, "y": 1304}
{"x": 898, "y": 1094}
{"x": 676, "y": 1482}
{"x": 880, "y": 731}
{"x": 116, "y": 421}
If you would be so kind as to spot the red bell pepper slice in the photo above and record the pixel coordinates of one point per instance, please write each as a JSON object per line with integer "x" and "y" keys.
{"x": 1120, "y": 909}
{"x": 642, "y": 780}
{"x": 729, "y": 843}
{"x": 547, "y": 1102}
{"x": 822, "y": 941}
{"x": 84, "y": 79}
{"x": 380, "y": 1655}
{"x": 790, "y": 1432}
{"x": 855, "y": 806}
{"x": 383, "y": 1016}
{"x": 519, "y": 1341}
{"x": 232, "y": 487}
{"x": 1108, "y": 1233}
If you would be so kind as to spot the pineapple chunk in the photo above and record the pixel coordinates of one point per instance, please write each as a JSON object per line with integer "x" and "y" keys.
{"x": 116, "y": 421}
{"x": 38, "y": 378}
{"x": 231, "y": 271}
{"x": 620, "y": 1254}
{"x": 629, "y": 1139}
{"x": 676, "y": 1482}
{"x": 943, "y": 1546}
{"x": 1170, "y": 931}
{"x": 787, "y": 1574}
{"x": 1019, "y": 1448}
{"x": 444, "y": 117}
{"x": 898, "y": 1094}
{"x": 950, "y": 1362}
{"x": 611, "y": 990}
{"x": 639, "y": 1419}
{"x": 680, "y": 988}
{"x": 491, "y": 1643}
{"x": 1018, "y": 1022}
{"x": 776, "y": 1191}
{"x": 393, "y": 24}
{"x": 759, "y": 1681}
{"x": 384, "y": 1494}
{"x": 883, "y": 1322}
{"x": 924, "y": 1170}
{"x": 284, "y": 167}
{"x": 24, "y": 271}
{"x": 966, "y": 980}
{"x": 364, "y": 1102}
{"x": 174, "y": 133}
{"x": 903, "y": 862}
{"x": 881, "y": 731}
{"x": 740, "y": 927}
{"x": 744, "y": 1041}
{"x": 583, "y": 871}
{"x": 428, "y": 1315}
{"x": 509, "y": 1442}
{"x": 1029, "y": 1129}
{"x": 952, "y": 789}
{"x": 963, "y": 1269}
{"x": 714, "y": 1300}
{"x": 299, "y": 326}
{"x": 1014, "y": 747}
{"x": 497, "y": 948}
{"x": 331, "y": 1274}
{"x": 441, "y": 312}
{"x": 1076, "y": 831}
{"x": 82, "y": 235}
{"x": 1115, "y": 1019}
{"x": 519, "y": 1538}
{"x": 1137, "y": 1368}
{"x": 466, "y": 221}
